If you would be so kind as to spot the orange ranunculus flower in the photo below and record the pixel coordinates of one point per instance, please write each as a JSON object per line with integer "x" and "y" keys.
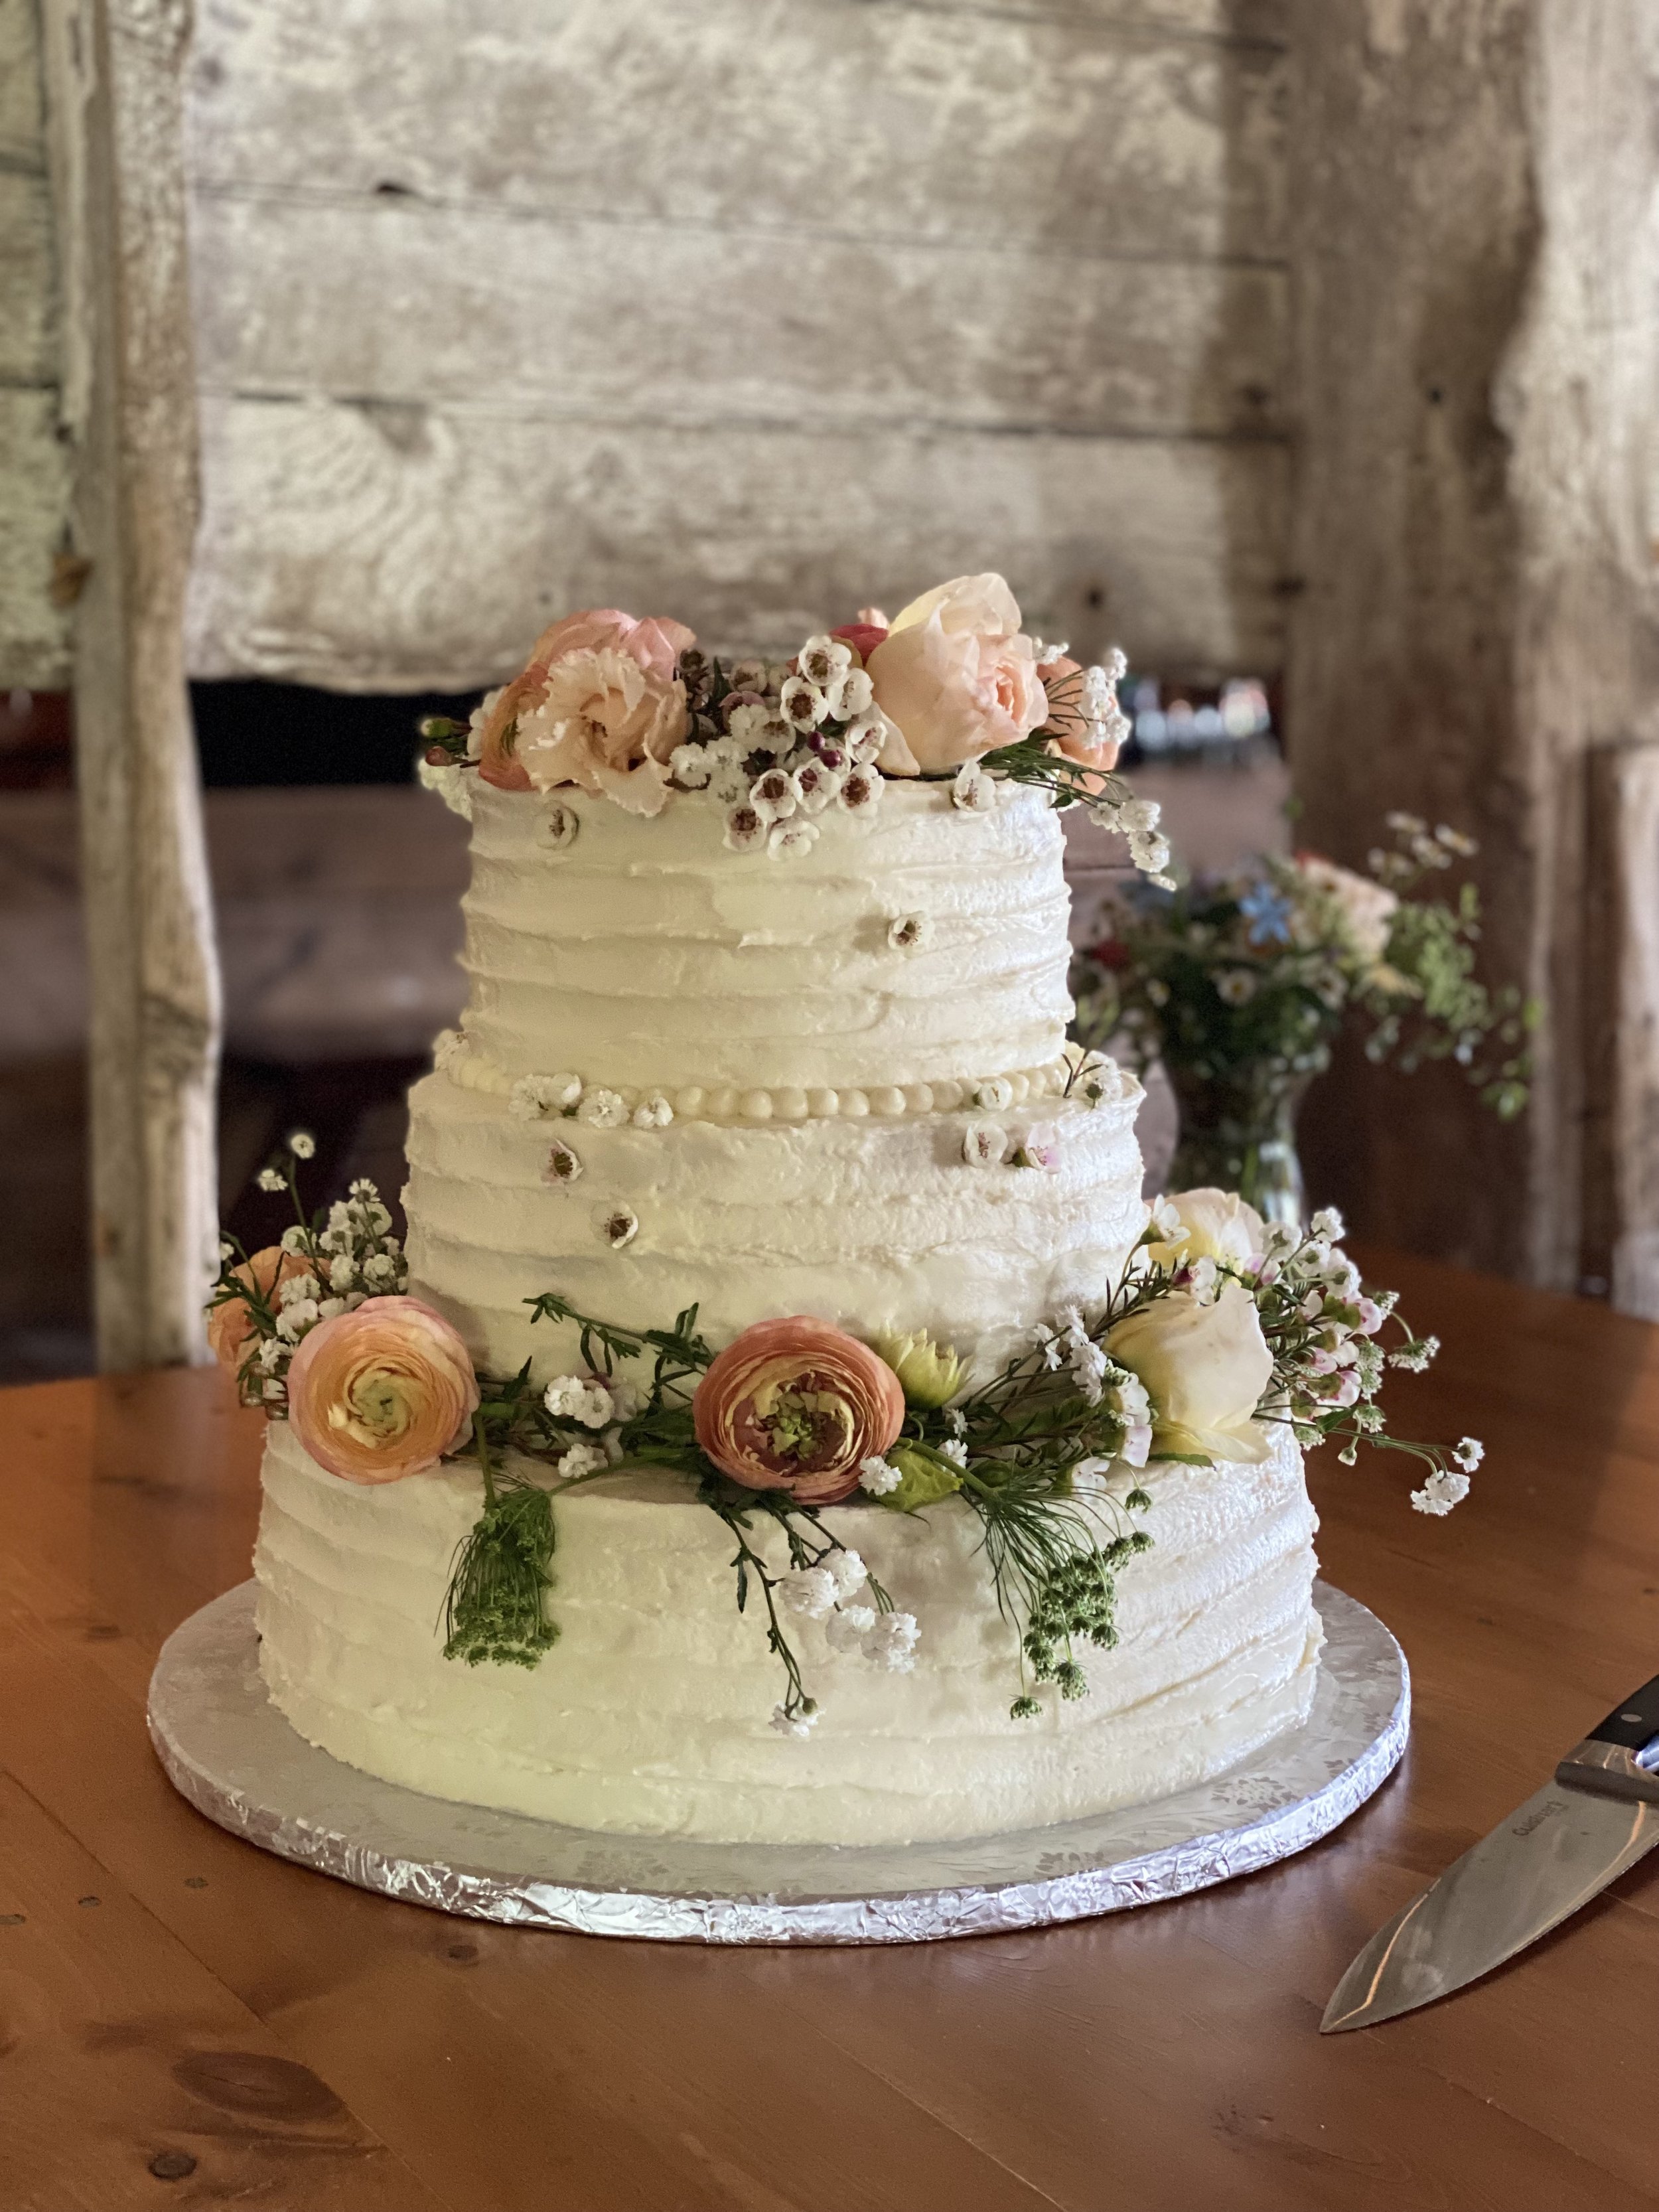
{"x": 381, "y": 1392}
{"x": 231, "y": 1325}
{"x": 599, "y": 705}
{"x": 798, "y": 1405}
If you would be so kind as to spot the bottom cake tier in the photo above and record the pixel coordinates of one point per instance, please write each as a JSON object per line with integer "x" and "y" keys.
{"x": 652, "y": 1714}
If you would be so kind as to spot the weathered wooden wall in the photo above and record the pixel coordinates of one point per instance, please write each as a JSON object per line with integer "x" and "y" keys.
{"x": 1476, "y": 246}
{"x": 34, "y": 476}
{"x": 749, "y": 309}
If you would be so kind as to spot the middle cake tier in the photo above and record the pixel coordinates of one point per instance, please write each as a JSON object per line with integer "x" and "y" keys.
{"x": 874, "y": 1225}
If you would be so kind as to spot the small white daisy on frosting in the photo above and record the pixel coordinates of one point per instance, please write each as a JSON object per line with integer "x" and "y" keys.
{"x": 533, "y": 1096}
{"x": 823, "y": 660}
{"x": 746, "y": 828}
{"x": 563, "y": 1165}
{"x": 861, "y": 793}
{"x": 983, "y": 1143}
{"x": 995, "y": 1094}
{"x": 909, "y": 932}
{"x": 603, "y": 1110}
{"x": 802, "y": 703}
{"x": 974, "y": 791}
{"x": 774, "y": 796}
{"x": 617, "y": 1224}
{"x": 815, "y": 785}
{"x": 789, "y": 840}
{"x": 849, "y": 694}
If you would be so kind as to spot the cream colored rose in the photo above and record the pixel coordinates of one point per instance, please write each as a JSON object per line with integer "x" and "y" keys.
{"x": 1205, "y": 1369}
{"x": 1219, "y": 1225}
{"x": 1365, "y": 909}
{"x": 956, "y": 676}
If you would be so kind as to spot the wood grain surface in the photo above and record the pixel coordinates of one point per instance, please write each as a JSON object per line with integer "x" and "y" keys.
{"x": 307, "y": 2044}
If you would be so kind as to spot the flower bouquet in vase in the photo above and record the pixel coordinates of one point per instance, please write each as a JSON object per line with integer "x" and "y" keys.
{"x": 1241, "y": 985}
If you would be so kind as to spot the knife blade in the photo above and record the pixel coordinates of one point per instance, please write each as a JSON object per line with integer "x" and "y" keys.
{"x": 1553, "y": 1854}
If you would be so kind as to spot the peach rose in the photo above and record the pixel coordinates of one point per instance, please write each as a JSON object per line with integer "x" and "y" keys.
{"x": 798, "y": 1405}
{"x": 381, "y": 1392}
{"x": 599, "y": 705}
{"x": 955, "y": 674}
{"x": 1082, "y": 735}
{"x": 231, "y": 1325}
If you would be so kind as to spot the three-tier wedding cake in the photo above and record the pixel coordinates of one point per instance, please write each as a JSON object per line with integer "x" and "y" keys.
{"x": 765, "y": 1023}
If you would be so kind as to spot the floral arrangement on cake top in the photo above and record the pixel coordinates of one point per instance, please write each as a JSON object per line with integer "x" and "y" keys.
{"x": 1219, "y": 1329}
{"x": 951, "y": 688}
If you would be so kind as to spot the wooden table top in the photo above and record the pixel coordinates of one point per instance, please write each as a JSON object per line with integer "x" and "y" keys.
{"x": 168, "y": 1995}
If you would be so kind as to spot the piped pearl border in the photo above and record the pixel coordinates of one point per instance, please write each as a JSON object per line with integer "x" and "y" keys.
{"x": 476, "y": 1071}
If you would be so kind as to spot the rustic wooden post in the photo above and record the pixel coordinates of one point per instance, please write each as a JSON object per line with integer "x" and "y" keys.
{"x": 114, "y": 77}
{"x": 1476, "y": 402}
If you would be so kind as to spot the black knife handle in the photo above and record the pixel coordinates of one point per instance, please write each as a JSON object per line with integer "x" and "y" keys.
{"x": 1632, "y": 1724}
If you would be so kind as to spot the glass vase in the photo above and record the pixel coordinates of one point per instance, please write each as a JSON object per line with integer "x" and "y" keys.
{"x": 1238, "y": 1132}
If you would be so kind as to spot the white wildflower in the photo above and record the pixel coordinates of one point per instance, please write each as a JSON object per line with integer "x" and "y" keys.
{"x": 271, "y": 1179}
{"x": 772, "y": 796}
{"x": 909, "y": 932}
{"x": 995, "y": 1094}
{"x": 823, "y": 660}
{"x": 1088, "y": 1364}
{"x": 297, "y": 1287}
{"x": 860, "y": 792}
{"x": 849, "y": 1572}
{"x": 653, "y": 1112}
{"x": 293, "y": 1320}
{"x": 845, "y": 1629}
{"x": 955, "y": 1450}
{"x": 983, "y": 1143}
{"x": 802, "y": 703}
{"x": 562, "y": 1163}
{"x": 617, "y": 1224}
{"x": 746, "y": 828}
{"x": 808, "y": 1592}
{"x": 865, "y": 736}
{"x": 1139, "y": 817}
{"x": 815, "y": 785}
{"x": 327, "y": 1308}
{"x": 728, "y": 786}
{"x": 580, "y": 1398}
{"x": 379, "y": 1269}
{"x": 533, "y": 1096}
{"x": 603, "y": 1110}
{"x": 876, "y": 1475}
{"x": 892, "y": 1642}
{"x": 849, "y": 694}
{"x": 1442, "y": 1490}
{"x": 582, "y": 1459}
{"x": 690, "y": 765}
{"x": 956, "y": 1421}
{"x": 801, "y": 1724}
{"x": 302, "y": 1144}
{"x": 342, "y": 1273}
{"x": 294, "y": 1239}
{"x": 1468, "y": 1454}
{"x": 974, "y": 791}
{"x": 789, "y": 840}
{"x": 1327, "y": 1225}
{"x": 1235, "y": 986}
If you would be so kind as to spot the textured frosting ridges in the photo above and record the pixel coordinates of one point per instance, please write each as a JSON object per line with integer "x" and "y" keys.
{"x": 871, "y": 1226}
{"x": 650, "y": 1715}
{"x": 649, "y": 955}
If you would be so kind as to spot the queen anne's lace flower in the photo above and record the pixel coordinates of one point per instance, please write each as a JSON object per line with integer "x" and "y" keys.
{"x": 578, "y": 1398}
{"x": 603, "y": 1110}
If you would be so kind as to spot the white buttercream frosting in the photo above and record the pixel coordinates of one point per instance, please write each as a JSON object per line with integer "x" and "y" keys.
{"x": 729, "y": 999}
{"x": 650, "y": 1714}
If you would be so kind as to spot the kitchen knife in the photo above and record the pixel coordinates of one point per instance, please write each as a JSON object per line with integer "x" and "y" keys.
{"x": 1559, "y": 1850}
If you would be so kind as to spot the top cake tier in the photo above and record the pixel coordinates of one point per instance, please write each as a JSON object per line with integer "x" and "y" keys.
{"x": 927, "y": 946}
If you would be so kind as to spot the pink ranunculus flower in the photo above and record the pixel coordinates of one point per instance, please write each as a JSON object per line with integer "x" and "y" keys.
{"x": 957, "y": 675}
{"x": 230, "y": 1325}
{"x": 798, "y": 1405}
{"x": 863, "y": 636}
{"x": 381, "y": 1392}
{"x": 599, "y": 705}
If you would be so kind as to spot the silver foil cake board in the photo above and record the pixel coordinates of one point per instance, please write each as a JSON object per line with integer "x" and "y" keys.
{"x": 226, "y": 1749}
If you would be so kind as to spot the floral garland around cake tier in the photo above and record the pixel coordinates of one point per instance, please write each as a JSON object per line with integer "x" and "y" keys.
{"x": 1219, "y": 1329}
{"x": 952, "y": 689}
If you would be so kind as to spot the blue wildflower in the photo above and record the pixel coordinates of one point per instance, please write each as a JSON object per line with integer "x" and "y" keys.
{"x": 1268, "y": 912}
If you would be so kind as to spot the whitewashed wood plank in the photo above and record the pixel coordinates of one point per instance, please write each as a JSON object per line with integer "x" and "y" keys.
{"x": 115, "y": 69}
{"x": 380, "y": 547}
{"x": 809, "y": 116}
{"x": 397, "y": 301}
{"x": 21, "y": 121}
{"x": 34, "y": 472}
{"x": 29, "y": 351}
